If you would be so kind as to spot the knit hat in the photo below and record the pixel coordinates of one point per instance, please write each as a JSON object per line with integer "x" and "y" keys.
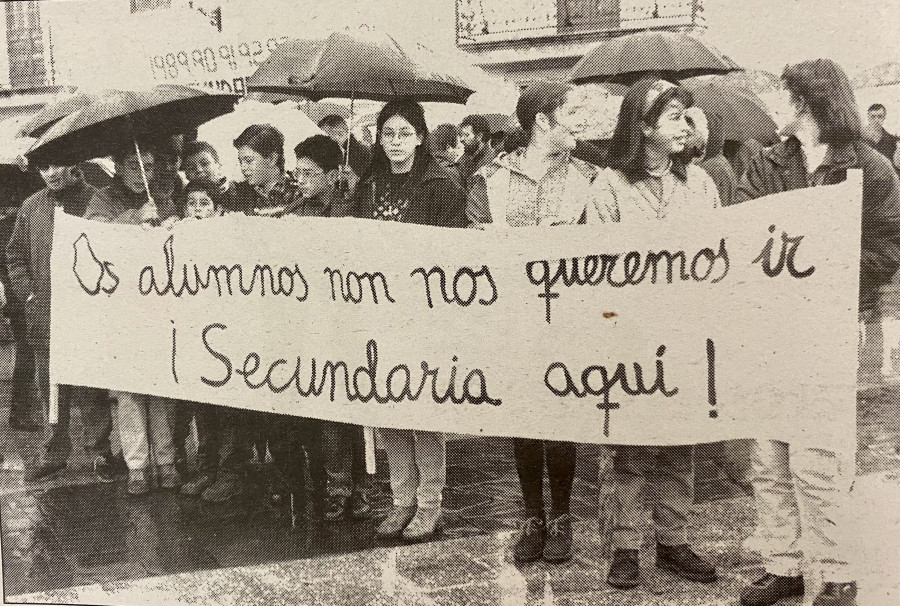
{"x": 538, "y": 98}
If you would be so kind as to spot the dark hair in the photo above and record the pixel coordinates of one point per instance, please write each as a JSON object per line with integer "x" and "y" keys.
{"x": 542, "y": 97}
{"x": 411, "y": 111}
{"x": 479, "y": 126}
{"x": 322, "y": 150}
{"x": 875, "y": 107}
{"x": 826, "y": 91}
{"x": 207, "y": 189}
{"x": 626, "y": 149}
{"x": 264, "y": 139}
{"x": 332, "y": 121}
{"x": 515, "y": 139}
{"x": 715, "y": 144}
{"x": 195, "y": 148}
{"x": 443, "y": 137}
{"x": 125, "y": 150}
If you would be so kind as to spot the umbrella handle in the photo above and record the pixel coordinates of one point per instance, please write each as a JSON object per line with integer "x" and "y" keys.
{"x": 150, "y": 199}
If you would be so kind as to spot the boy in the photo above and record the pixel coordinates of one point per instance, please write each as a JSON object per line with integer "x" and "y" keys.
{"x": 202, "y": 166}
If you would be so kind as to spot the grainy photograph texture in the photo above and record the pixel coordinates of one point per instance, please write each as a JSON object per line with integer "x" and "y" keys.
{"x": 284, "y": 321}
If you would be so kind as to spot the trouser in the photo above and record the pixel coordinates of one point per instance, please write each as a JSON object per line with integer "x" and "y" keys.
{"x": 236, "y": 429}
{"x": 799, "y": 494}
{"x": 672, "y": 481}
{"x": 560, "y": 458}
{"x": 418, "y": 466}
{"x": 296, "y": 440}
{"x": 208, "y": 418}
{"x": 345, "y": 458}
{"x": 96, "y": 417}
{"x": 144, "y": 421}
{"x": 24, "y": 399}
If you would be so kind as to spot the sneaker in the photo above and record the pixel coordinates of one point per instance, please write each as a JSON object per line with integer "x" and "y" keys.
{"x": 424, "y": 524}
{"x": 532, "y": 538}
{"x": 836, "y": 594}
{"x": 137, "y": 482}
{"x": 681, "y": 560}
{"x": 168, "y": 476}
{"x": 396, "y": 521}
{"x": 624, "y": 570}
{"x": 42, "y": 471}
{"x": 336, "y": 508}
{"x": 558, "y": 547}
{"x": 226, "y": 486}
{"x": 770, "y": 588}
{"x": 201, "y": 482}
{"x": 360, "y": 507}
{"x": 104, "y": 470}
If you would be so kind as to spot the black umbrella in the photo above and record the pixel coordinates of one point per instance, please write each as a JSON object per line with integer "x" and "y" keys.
{"x": 55, "y": 111}
{"x": 625, "y": 59}
{"x": 744, "y": 115}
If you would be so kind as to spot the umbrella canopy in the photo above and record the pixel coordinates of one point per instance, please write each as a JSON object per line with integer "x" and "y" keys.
{"x": 500, "y": 123}
{"x": 55, "y": 111}
{"x": 120, "y": 117}
{"x": 674, "y": 56}
{"x": 361, "y": 65}
{"x": 744, "y": 115}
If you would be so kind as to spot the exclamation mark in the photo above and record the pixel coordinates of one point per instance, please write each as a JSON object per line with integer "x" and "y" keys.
{"x": 711, "y": 377}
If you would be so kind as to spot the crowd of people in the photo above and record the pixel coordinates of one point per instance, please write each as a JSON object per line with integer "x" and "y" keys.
{"x": 665, "y": 160}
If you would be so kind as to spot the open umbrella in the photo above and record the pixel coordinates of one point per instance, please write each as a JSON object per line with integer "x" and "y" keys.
{"x": 361, "y": 65}
{"x": 624, "y": 59}
{"x": 744, "y": 115}
{"x": 53, "y": 112}
{"x": 500, "y": 123}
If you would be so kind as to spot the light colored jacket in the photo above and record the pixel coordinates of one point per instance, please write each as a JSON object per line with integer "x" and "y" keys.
{"x": 695, "y": 195}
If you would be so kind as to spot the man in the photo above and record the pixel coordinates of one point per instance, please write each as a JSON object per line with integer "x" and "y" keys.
{"x": 202, "y": 165}
{"x": 880, "y": 139}
{"x": 359, "y": 157}
{"x": 475, "y": 134}
{"x": 28, "y": 260}
{"x": 801, "y": 490}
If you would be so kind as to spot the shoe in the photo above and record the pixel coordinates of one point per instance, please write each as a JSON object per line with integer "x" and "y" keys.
{"x": 424, "y": 524}
{"x": 201, "y": 482}
{"x": 398, "y": 519}
{"x": 532, "y": 538}
{"x": 836, "y": 594}
{"x": 137, "y": 482}
{"x": 226, "y": 486}
{"x": 681, "y": 560}
{"x": 42, "y": 471}
{"x": 104, "y": 470}
{"x": 168, "y": 477}
{"x": 336, "y": 508}
{"x": 770, "y": 588}
{"x": 558, "y": 547}
{"x": 360, "y": 507}
{"x": 624, "y": 570}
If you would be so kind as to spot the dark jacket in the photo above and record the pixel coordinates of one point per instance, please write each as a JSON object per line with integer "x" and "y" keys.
{"x": 360, "y": 155}
{"x": 118, "y": 204}
{"x": 469, "y": 165}
{"x": 782, "y": 167}
{"x": 28, "y": 252}
{"x": 328, "y": 204}
{"x": 886, "y": 146}
{"x": 720, "y": 171}
{"x": 435, "y": 197}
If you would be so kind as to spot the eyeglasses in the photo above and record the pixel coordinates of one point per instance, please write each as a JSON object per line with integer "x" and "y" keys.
{"x": 403, "y": 134}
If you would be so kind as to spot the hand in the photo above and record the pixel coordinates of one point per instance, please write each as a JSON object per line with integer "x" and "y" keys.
{"x": 169, "y": 222}
{"x": 149, "y": 212}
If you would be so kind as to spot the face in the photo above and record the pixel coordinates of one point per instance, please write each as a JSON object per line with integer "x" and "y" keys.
{"x": 456, "y": 152}
{"x": 58, "y": 178}
{"x": 568, "y": 123}
{"x": 129, "y": 171}
{"x": 399, "y": 139}
{"x": 876, "y": 118}
{"x": 338, "y": 134}
{"x": 256, "y": 168}
{"x": 311, "y": 179}
{"x": 203, "y": 168}
{"x": 471, "y": 142}
{"x": 670, "y": 133}
{"x": 199, "y": 205}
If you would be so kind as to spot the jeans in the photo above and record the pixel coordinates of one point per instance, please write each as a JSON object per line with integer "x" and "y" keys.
{"x": 345, "y": 458}
{"x": 144, "y": 421}
{"x": 418, "y": 466}
{"x": 672, "y": 478}
{"x": 560, "y": 457}
{"x": 799, "y": 494}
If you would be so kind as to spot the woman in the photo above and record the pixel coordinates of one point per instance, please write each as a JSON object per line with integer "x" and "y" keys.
{"x": 648, "y": 179}
{"x": 267, "y": 187}
{"x": 404, "y": 183}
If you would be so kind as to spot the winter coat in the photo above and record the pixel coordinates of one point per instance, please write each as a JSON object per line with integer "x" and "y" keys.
{"x": 720, "y": 171}
{"x": 118, "y": 204}
{"x": 434, "y": 196}
{"x": 782, "y": 167}
{"x": 328, "y": 204}
{"x": 28, "y": 252}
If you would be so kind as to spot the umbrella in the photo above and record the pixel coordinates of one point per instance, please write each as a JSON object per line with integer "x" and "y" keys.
{"x": 500, "y": 123}
{"x": 55, "y": 111}
{"x": 361, "y": 65}
{"x": 744, "y": 115}
{"x": 625, "y": 59}
{"x": 119, "y": 117}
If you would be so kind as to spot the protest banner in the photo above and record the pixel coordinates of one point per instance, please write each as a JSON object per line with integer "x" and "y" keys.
{"x": 738, "y": 323}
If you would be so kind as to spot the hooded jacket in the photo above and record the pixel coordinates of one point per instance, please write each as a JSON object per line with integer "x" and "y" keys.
{"x": 782, "y": 167}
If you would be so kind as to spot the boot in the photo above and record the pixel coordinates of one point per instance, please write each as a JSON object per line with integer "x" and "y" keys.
{"x": 532, "y": 539}
{"x": 424, "y": 524}
{"x": 681, "y": 560}
{"x": 836, "y": 594}
{"x": 770, "y": 588}
{"x": 396, "y": 521}
{"x": 624, "y": 570}
{"x": 558, "y": 547}
{"x": 168, "y": 477}
{"x": 137, "y": 482}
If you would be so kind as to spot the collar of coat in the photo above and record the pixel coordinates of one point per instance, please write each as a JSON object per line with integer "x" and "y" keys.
{"x": 512, "y": 162}
{"x": 431, "y": 171}
{"x": 784, "y": 153}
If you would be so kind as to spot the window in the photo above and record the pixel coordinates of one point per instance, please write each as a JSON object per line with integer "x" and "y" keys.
{"x": 588, "y": 14}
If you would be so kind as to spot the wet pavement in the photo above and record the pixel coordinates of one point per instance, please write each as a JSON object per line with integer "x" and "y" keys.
{"x": 69, "y": 539}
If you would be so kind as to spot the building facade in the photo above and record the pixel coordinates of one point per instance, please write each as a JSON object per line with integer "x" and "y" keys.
{"x": 25, "y": 45}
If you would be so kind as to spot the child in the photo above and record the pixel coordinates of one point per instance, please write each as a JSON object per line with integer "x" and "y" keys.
{"x": 202, "y": 166}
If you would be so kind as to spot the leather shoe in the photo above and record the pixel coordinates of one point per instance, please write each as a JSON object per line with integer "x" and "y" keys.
{"x": 424, "y": 524}
{"x": 336, "y": 508}
{"x": 398, "y": 519}
{"x": 681, "y": 560}
{"x": 559, "y": 540}
{"x": 624, "y": 570}
{"x": 836, "y": 594}
{"x": 532, "y": 539}
{"x": 137, "y": 482}
{"x": 770, "y": 588}
{"x": 360, "y": 507}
